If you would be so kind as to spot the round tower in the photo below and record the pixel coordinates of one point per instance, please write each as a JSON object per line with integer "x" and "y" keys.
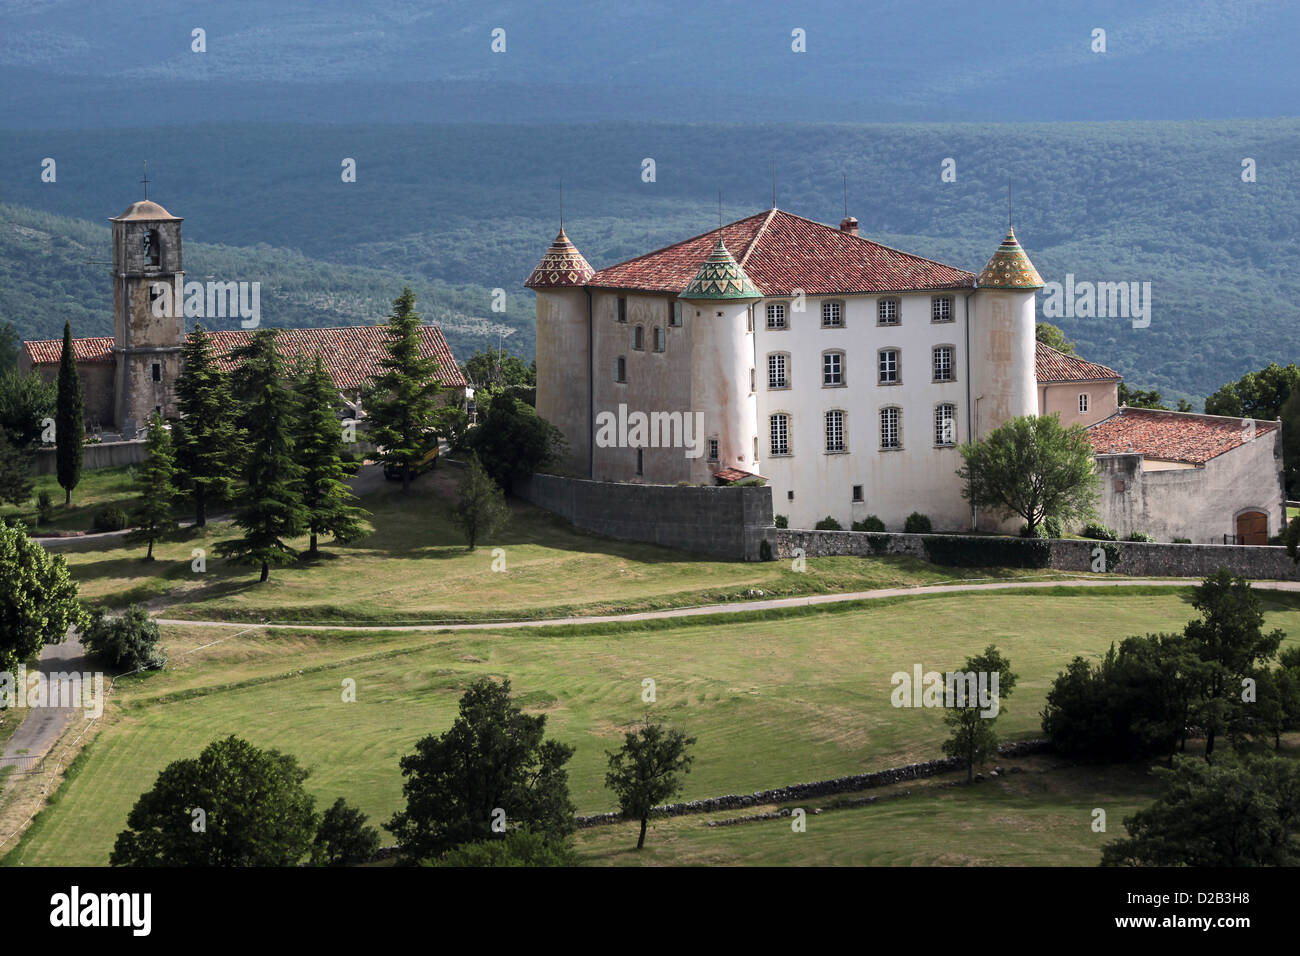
{"x": 722, "y": 355}
{"x": 564, "y": 346}
{"x": 1002, "y": 345}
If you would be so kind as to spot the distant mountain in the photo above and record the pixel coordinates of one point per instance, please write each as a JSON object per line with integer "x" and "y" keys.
{"x": 77, "y": 63}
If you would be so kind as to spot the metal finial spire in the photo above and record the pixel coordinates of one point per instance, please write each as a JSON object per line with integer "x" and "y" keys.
{"x": 719, "y": 212}
{"x": 561, "y": 205}
{"x": 145, "y": 181}
{"x": 1008, "y": 204}
{"x": 773, "y": 165}
{"x": 845, "y": 178}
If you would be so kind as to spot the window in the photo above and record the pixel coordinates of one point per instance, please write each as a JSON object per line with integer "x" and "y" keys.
{"x": 713, "y": 449}
{"x": 887, "y": 312}
{"x": 832, "y": 315}
{"x": 152, "y": 248}
{"x": 675, "y": 313}
{"x": 891, "y": 433}
{"x": 943, "y": 363}
{"x": 640, "y": 461}
{"x": 834, "y": 430}
{"x": 749, "y": 319}
{"x": 941, "y": 308}
{"x": 620, "y": 369}
{"x": 1083, "y": 401}
{"x": 857, "y": 493}
{"x": 776, "y": 315}
{"x": 945, "y": 425}
{"x": 157, "y": 372}
{"x": 751, "y": 380}
{"x": 789, "y": 495}
{"x": 661, "y": 338}
{"x": 889, "y": 367}
{"x": 832, "y": 368}
{"x": 776, "y": 371}
{"x": 622, "y": 308}
{"x": 638, "y": 338}
{"x": 780, "y": 433}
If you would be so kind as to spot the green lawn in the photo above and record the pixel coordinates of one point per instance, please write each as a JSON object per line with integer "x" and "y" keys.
{"x": 95, "y": 491}
{"x": 413, "y": 567}
{"x": 774, "y": 699}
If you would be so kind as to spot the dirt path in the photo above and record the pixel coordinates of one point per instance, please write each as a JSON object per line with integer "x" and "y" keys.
{"x": 704, "y": 610}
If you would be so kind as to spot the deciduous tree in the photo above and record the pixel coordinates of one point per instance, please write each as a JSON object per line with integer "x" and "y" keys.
{"x": 38, "y": 599}
{"x": 647, "y": 770}
{"x": 480, "y": 507}
{"x": 973, "y": 738}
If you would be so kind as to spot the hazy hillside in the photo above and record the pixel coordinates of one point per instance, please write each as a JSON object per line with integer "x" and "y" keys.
{"x": 473, "y": 207}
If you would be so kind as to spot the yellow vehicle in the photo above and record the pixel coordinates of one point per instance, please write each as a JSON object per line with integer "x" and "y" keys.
{"x": 428, "y": 462}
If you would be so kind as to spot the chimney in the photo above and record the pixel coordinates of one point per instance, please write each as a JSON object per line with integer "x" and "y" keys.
{"x": 850, "y": 225}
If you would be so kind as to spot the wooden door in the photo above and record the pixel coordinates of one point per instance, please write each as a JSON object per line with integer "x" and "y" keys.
{"x": 1252, "y": 528}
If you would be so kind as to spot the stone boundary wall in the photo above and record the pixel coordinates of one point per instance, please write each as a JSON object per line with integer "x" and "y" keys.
{"x": 1141, "y": 558}
{"x": 820, "y": 788}
{"x": 97, "y": 455}
{"x": 725, "y": 522}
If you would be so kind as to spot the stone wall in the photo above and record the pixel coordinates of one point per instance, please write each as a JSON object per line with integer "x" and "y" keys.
{"x": 726, "y": 522}
{"x": 1135, "y": 557}
{"x": 113, "y": 454}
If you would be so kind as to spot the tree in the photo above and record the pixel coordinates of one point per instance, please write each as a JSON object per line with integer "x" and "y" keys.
{"x": 519, "y": 847}
{"x": 38, "y": 599}
{"x": 1137, "y": 398}
{"x": 492, "y": 765}
{"x": 973, "y": 739}
{"x": 513, "y": 441}
{"x": 25, "y": 402}
{"x": 156, "y": 483}
{"x": 126, "y": 643}
{"x": 271, "y": 509}
{"x": 1291, "y": 538}
{"x": 1051, "y": 336}
{"x": 1034, "y": 468}
{"x": 643, "y": 773}
{"x": 1258, "y": 395}
{"x": 1231, "y": 645}
{"x": 235, "y": 805}
{"x": 1290, "y": 415}
{"x": 343, "y": 839}
{"x": 318, "y": 439}
{"x": 1231, "y": 813}
{"x": 480, "y": 507}
{"x": 206, "y": 439}
{"x": 495, "y": 368}
{"x": 9, "y": 345}
{"x": 70, "y": 419}
{"x": 403, "y": 399}
{"x": 15, "y": 473}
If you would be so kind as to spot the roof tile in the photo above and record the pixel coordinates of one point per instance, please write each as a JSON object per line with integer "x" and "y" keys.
{"x": 1173, "y": 436}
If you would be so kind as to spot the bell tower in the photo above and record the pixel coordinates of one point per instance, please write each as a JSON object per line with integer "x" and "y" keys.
{"x": 148, "y": 313}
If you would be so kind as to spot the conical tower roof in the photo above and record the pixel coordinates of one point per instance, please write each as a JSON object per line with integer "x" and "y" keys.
{"x": 563, "y": 265}
{"x": 721, "y": 278}
{"x": 1010, "y": 268}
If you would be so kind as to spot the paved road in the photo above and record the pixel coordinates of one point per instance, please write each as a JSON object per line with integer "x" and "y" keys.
{"x": 43, "y": 725}
{"x": 763, "y": 605}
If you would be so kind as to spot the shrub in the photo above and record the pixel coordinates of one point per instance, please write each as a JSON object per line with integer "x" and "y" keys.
{"x": 1140, "y": 536}
{"x": 765, "y": 551}
{"x": 969, "y": 552}
{"x": 1099, "y": 532}
{"x": 109, "y": 519}
{"x": 781, "y": 521}
{"x": 828, "y": 524}
{"x": 1052, "y": 525}
{"x": 880, "y": 543}
{"x": 869, "y": 523}
{"x": 917, "y": 523}
{"x": 1038, "y": 532}
{"x": 44, "y": 508}
{"x": 128, "y": 642}
{"x": 755, "y": 482}
{"x": 1182, "y": 540}
{"x": 517, "y": 848}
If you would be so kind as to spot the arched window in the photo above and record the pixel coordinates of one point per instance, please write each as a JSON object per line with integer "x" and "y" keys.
{"x": 152, "y": 248}
{"x": 638, "y": 338}
{"x": 779, "y": 433}
{"x": 835, "y": 430}
{"x": 945, "y": 425}
{"x": 891, "y": 427}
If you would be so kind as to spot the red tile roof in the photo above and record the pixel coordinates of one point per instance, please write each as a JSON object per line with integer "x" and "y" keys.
{"x": 351, "y": 353}
{"x": 781, "y": 252}
{"x": 1055, "y": 366}
{"x": 1172, "y": 436}
{"x": 49, "y": 351}
{"x": 732, "y": 475}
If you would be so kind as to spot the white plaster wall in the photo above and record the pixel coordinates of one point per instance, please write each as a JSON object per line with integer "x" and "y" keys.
{"x": 563, "y": 365}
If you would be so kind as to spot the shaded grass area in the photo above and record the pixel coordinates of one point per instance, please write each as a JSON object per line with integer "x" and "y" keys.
{"x": 97, "y": 490}
{"x": 773, "y": 700}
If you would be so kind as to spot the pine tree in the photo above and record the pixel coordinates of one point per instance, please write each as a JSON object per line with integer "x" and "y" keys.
{"x": 155, "y": 480}
{"x": 403, "y": 400}
{"x": 318, "y": 437}
{"x": 205, "y": 438}
{"x": 271, "y": 509}
{"x": 70, "y": 419}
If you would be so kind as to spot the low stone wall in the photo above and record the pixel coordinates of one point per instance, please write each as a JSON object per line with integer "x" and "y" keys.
{"x": 726, "y": 522}
{"x": 112, "y": 454}
{"x": 1151, "y": 559}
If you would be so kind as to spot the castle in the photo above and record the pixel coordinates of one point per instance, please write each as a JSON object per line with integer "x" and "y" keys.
{"x": 846, "y": 374}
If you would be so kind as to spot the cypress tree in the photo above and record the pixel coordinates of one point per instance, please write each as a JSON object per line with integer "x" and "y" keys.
{"x": 403, "y": 399}
{"x": 329, "y": 502}
{"x": 270, "y": 510}
{"x": 155, "y": 481}
{"x": 69, "y": 419}
{"x": 205, "y": 438}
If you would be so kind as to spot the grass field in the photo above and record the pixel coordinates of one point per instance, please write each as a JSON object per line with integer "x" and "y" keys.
{"x": 96, "y": 490}
{"x": 428, "y": 576}
{"x": 774, "y": 699}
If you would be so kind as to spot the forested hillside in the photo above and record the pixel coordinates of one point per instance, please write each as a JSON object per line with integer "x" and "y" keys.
{"x": 459, "y": 210}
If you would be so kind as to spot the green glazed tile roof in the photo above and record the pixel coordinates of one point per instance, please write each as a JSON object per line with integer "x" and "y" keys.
{"x": 1010, "y": 268}
{"x": 721, "y": 278}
